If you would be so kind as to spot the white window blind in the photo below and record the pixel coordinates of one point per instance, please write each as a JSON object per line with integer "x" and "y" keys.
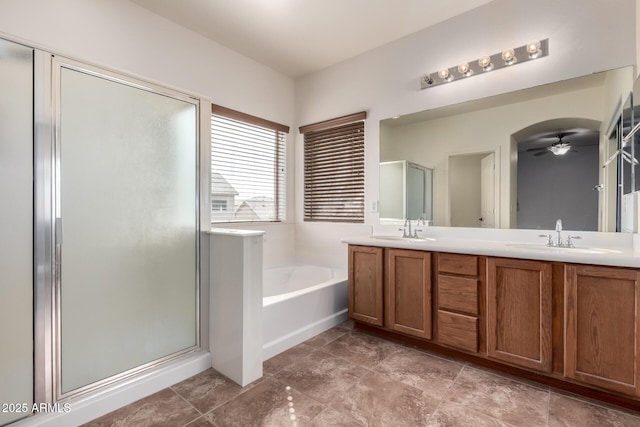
{"x": 247, "y": 167}
{"x": 334, "y": 169}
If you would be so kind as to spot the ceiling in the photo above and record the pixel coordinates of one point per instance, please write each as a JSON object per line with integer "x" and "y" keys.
{"x": 299, "y": 37}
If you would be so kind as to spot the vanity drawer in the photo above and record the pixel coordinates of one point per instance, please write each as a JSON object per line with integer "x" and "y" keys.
{"x": 458, "y": 330}
{"x": 458, "y": 294}
{"x": 458, "y": 264}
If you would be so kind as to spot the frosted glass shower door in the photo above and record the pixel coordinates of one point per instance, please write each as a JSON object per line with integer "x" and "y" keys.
{"x": 16, "y": 236}
{"x": 126, "y": 227}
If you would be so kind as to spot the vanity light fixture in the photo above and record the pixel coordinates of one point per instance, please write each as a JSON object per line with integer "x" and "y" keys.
{"x": 464, "y": 69}
{"x": 445, "y": 75}
{"x": 535, "y": 49}
{"x": 485, "y": 63}
{"x": 509, "y": 56}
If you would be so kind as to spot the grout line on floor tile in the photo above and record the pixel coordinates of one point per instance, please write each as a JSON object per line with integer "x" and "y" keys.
{"x": 444, "y": 396}
{"x": 594, "y": 402}
{"x": 324, "y": 406}
{"x": 189, "y": 403}
{"x": 548, "y": 404}
{"x": 506, "y": 376}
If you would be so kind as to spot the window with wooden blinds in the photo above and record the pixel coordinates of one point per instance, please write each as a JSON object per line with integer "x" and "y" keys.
{"x": 247, "y": 167}
{"x": 334, "y": 170}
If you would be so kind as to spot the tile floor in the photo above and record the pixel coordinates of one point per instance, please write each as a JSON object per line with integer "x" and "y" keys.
{"x": 344, "y": 377}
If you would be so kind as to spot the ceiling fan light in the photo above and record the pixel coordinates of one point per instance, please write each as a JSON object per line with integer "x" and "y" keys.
{"x": 560, "y": 149}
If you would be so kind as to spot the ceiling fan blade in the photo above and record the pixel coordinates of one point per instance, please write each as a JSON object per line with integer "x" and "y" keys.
{"x": 542, "y": 153}
{"x": 556, "y": 135}
{"x": 537, "y": 149}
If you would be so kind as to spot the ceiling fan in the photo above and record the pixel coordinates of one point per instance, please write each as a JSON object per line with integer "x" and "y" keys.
{"x": 559, "y": 148}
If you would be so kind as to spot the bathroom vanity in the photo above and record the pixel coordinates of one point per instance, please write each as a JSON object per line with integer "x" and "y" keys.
{"x": 566, "y": 317}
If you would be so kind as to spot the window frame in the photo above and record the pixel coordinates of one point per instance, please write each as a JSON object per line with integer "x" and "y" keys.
{"x": 279, "y": 180}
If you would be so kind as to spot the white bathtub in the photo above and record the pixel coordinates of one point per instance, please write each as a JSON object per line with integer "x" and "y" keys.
{"x": 299, "y": 302}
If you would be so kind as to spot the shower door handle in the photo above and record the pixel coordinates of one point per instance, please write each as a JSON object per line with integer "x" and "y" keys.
{"x": 58, "y": 231}
{"x": 57, "y": 267}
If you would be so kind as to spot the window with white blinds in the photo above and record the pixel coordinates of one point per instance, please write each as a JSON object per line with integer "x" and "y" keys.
{"x": 334, "y": 169}
{"x": 247, "y": 167}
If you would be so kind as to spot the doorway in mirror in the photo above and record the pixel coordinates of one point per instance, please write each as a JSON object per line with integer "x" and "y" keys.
{"x": 472, "y": 189}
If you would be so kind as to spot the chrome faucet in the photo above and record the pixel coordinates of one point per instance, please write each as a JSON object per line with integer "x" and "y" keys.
{"x": 407, "y": 223}
{"x": 415, "y": 230}
{"x": 559, "y": 242}
{"x": 559, "y": 233}
{"x": 409, "y": 233}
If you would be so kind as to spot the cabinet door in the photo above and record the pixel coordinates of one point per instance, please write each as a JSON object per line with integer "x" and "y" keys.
{"x": 601, "y": 321}
{"x": 409, "y": 292}
{"x": 519, "y": 313}
{"x": 365, "y": 284}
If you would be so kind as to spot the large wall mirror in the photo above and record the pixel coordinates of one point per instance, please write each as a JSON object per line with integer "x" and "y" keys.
{"x": 521, "y": 159}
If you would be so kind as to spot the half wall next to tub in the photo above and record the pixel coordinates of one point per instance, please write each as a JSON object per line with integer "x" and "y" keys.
{"x": 305, "y": 280}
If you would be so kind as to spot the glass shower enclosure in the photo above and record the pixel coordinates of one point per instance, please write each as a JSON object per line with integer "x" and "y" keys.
{"x": 124, "y": 218}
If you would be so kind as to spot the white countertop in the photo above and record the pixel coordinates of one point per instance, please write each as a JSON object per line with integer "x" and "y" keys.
{"x": 597, "y": 249}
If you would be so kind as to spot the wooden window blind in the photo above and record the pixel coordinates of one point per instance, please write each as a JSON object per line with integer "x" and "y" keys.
{"x": 334, "y": 169}
{"x": 247, "y": 167}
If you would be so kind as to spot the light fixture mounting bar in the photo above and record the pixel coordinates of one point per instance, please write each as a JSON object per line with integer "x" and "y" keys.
{"x": 521, "y": 55}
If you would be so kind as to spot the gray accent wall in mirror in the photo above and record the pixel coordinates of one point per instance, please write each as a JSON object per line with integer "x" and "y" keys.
{"x": 521, "y": 159}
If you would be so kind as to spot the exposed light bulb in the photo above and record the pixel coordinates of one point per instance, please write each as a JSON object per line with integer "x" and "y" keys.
{"x": 464, "y": 69}
{"x": 533, "y": 49}
{"x": 444, "y": 74}
{"x": 485, "y": 63}
{"x": 509, "y": 56}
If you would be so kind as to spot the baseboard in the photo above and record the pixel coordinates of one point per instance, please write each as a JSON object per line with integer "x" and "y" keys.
{"x": 94, "y": 405}
{"x": 298, "y": 336}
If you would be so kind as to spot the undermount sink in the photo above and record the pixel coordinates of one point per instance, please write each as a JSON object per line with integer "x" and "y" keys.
{"x": 560, "y": 249}
{"x": 404, "y": 239}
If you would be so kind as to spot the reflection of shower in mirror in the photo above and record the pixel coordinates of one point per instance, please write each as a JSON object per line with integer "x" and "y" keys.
{"x": 406, "y": 191}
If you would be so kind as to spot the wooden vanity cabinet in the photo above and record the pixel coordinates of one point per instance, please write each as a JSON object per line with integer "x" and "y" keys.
{"x": 519, "y": 312}
{"x": 577, "y": 324}
{"x": 366, "y": 284}
{"x": 601, "y": 327}
{"x": 458, "y": 297}
{"x": 408, "y": 292}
